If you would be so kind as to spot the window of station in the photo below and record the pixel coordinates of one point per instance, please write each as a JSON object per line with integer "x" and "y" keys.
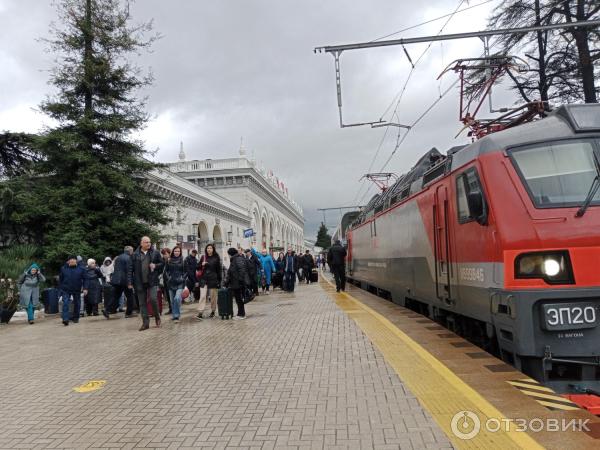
{"x": 466, "y": 183}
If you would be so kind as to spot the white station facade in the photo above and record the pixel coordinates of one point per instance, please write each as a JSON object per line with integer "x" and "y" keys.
{"x": 227, "y": 202}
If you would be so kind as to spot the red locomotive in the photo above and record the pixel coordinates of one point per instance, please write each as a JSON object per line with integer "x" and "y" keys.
{"x": 500, "y": 241}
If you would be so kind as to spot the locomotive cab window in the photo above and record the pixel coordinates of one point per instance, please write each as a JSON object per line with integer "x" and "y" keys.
{"x": 469, "y": 198}
{"x": 558, "y": 174}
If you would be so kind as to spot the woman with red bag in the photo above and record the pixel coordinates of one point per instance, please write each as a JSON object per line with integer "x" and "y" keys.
{"x": 209, "y": 274}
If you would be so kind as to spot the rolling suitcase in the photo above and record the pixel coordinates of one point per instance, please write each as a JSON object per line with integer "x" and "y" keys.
{"x": 108, "y": 294}
{"x": 277, "y": 280}
{"x": 6, "y": 313}
{"x": 314, "y": 276}
{"x": 225, "y": 303}
{"x": 53, "y": 297}
{"x": 50, "y": 298}
{"x": 284, "y": 283}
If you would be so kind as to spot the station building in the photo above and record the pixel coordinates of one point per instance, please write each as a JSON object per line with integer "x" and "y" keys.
{"x": 228, "y": 202}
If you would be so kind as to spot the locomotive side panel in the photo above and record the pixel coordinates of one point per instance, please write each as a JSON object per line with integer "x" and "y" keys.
{"x": 392, "y": 252}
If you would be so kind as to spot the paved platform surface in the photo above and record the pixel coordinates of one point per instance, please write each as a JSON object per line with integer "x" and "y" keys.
{"x": 298, "y": 373}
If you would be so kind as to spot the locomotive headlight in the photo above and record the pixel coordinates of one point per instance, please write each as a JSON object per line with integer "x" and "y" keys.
{"x": 553, "y": 267}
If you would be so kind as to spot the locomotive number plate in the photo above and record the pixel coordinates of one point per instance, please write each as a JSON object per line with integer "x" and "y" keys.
{"x": 569, "y": 316}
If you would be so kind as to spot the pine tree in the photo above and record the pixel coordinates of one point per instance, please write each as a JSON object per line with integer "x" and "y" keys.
{"x": 16, "y": 153}
{"x": 323, "y": 237}
{"x": 87, "y": 195}
{"x": 562, "y": 61}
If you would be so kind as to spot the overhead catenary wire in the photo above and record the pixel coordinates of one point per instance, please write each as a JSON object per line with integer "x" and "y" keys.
{"x": 399, "y": 96}
{"x": 400, "y": 141}
{"x": 364, "y": 181}
{"x": 418, "y": 119}
{"x": 400, "y": 41}
{"x": 431, "y": 20}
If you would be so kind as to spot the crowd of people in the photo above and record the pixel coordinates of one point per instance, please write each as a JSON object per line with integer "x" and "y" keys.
{"x": 141, "y": 280}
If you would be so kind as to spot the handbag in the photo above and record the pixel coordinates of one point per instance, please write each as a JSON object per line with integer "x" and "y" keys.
{"x": 185, "y": 293}
{"x": 249, "y": 295}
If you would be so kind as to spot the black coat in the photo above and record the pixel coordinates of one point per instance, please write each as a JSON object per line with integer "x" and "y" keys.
{"x": 190, "y": 264}
{"x": 254, "y": 266}
{"x": 336, "y": 255}
{"x": 122, "y": 265}
{"x": 308, "y": 262}
{"x": 237, "y": 275}
{"x": 299, "y": 262}
{"x": 175, "y": 273}
{"x": 135, "y": 275}
{"x": 212, "y": 271}
{"x": 94, "y": 278}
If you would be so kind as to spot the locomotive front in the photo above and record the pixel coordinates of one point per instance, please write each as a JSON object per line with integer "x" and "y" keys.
{"x": 547, "y": 317}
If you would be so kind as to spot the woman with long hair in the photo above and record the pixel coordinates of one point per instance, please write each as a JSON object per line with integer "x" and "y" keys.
{"x": 210, "y": 267}
{"x": 165, "y": 253}
{"x": 175, "y": 281}
{"x": 278, "y": 275}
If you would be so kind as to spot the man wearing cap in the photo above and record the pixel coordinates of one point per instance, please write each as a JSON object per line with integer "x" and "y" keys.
{"x": 72, "y": 280}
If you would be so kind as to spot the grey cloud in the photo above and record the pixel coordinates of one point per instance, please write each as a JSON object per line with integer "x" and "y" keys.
{"x": 226, "y": 69}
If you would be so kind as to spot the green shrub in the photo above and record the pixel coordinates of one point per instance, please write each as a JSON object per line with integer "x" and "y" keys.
{"x": 16, "y": 259}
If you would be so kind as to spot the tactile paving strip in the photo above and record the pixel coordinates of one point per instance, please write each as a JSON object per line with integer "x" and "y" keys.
{"x": 438, "y": 389}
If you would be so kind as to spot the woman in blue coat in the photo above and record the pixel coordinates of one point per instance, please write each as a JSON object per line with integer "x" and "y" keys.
{"x": 268, "y": 267}
{"x": 29, "y": 290}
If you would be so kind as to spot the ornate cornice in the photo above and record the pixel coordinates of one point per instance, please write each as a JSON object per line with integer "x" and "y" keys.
{"x": 185, "y": 198}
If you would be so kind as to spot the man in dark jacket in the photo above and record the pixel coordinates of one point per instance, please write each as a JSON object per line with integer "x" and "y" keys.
{"x": 72, "y": 280}
{"x": 146, "y": 266}
{"x": 308, "y": 263}
{"x": 254, "y": 269}
{"x": 119, "y": 281}
{"x": 290, "y": 268}
{"x": 336, "y": 258}
{"x": 190, "y": 265}
{"x": 237, "y": 279}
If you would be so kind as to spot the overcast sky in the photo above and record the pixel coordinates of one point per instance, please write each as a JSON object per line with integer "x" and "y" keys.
{"x": 245, "y": 68}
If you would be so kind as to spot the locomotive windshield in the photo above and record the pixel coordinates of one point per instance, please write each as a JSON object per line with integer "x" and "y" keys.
{"x": 558, "y": 174}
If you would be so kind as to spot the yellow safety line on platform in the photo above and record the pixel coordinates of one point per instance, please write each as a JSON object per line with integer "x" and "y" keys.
{"x": 441, "y": 392}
